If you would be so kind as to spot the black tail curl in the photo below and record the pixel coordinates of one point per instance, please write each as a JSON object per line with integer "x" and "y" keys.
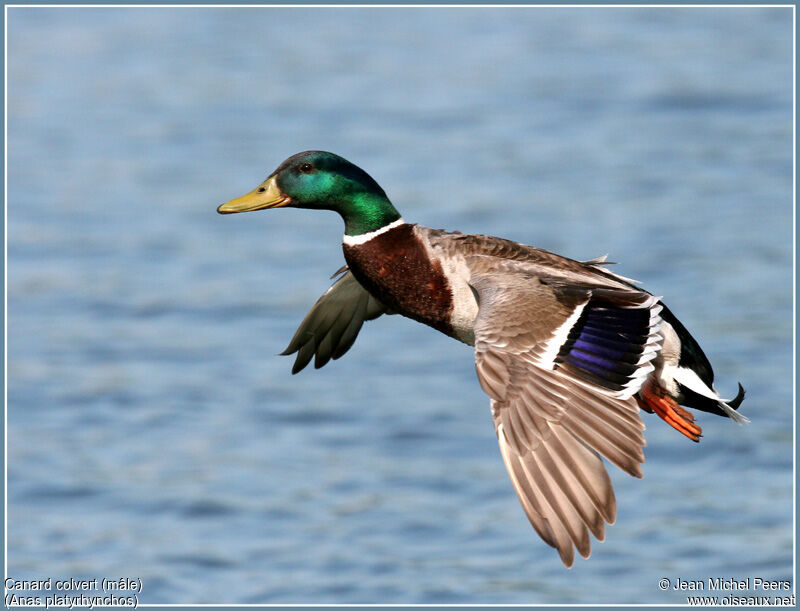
{"x": 689, "y": 398}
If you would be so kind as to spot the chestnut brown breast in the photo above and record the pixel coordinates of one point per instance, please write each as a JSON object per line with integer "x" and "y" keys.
{"x": 394, "y": 266}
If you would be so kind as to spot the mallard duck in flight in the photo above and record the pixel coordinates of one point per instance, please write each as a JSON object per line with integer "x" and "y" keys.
{"x": 567, "y": 351}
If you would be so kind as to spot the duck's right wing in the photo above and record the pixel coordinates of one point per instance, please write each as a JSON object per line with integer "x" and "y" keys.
{"x": 562, "y": 398}
{"x": 331, "y": 326}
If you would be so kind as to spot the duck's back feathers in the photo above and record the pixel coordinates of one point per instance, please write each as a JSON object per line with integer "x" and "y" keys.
{"x": 548, "y": 263}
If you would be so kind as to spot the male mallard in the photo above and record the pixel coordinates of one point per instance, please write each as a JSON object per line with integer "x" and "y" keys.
{"x": 567, "y": 351}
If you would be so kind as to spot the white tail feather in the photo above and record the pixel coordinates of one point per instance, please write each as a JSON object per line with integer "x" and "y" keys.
{"x": 692, "y": 381}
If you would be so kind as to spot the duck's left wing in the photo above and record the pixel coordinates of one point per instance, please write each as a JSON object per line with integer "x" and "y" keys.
{"x": 554, "y": 414}
{"x": 332, "y": 325}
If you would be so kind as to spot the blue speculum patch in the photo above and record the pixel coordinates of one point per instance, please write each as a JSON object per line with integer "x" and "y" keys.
{"x": 606, "y": 343}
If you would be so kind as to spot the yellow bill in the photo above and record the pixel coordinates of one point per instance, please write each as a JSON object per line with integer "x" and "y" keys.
{"x": 266, "y": 195}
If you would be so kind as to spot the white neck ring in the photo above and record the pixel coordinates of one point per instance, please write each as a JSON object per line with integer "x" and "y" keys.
{"x": 355, "y": 240}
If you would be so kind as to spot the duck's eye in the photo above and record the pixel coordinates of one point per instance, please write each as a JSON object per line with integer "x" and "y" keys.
{"x": 306, "y": 168}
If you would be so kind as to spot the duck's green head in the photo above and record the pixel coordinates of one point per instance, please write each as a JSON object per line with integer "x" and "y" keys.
{"x": 320, "y": 180}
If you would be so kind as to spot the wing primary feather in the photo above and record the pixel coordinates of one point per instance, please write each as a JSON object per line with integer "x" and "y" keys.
{"x": 522, "y": 431}
{"x": 602, "y": 445}
{"x": 560, "y": 523}
{"x": 331, "y": 326}
{"x": 524, "y": 492}
{"x": 578, "y": 469}
{"x": 304, "y": 355}
{"x": 539, "y": 515}
{"x": 573, "y": 503}
{"x": 311, "y": 323}
{"x": 351, "y": 331}
{"x": 620, "y": 432}
{"x": 327, "y": 345}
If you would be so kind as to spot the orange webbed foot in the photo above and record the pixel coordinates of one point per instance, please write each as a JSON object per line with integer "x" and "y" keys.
{"x": 653, "y": 401}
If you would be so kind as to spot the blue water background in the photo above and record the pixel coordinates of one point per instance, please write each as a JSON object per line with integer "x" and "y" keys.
{"x": 153, "y": 431}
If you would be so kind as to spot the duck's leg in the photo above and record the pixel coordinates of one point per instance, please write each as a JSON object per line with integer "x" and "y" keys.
{"x": 653, "y": 399}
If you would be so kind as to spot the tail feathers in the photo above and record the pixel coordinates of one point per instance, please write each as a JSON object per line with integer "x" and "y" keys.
{"x": 730, "y": 407}
{"x": 737, "y": 400}
{"x": 694, "y": 393}
{"x": 695, "y": 377}
{"x": 717, "y": 406}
